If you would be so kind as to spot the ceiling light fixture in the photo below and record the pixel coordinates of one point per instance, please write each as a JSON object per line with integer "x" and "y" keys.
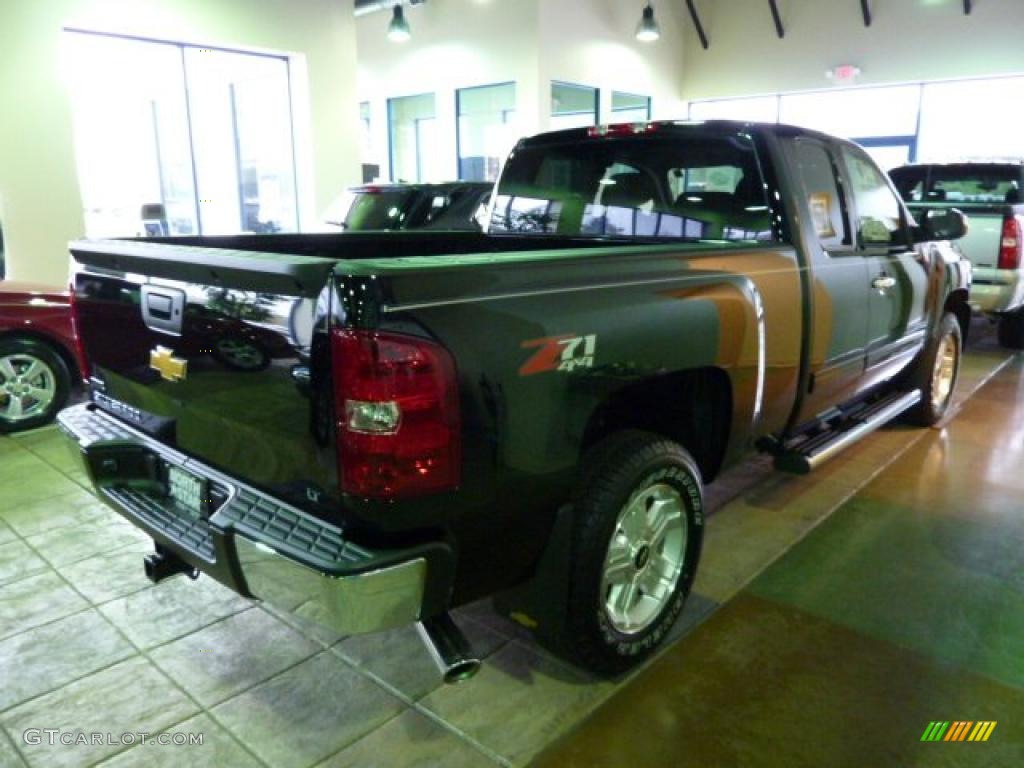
{"x": 647, "y": 31}
{"x": 398, "y": 29}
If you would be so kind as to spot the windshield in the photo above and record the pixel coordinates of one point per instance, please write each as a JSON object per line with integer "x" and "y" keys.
{"x": 990, "y": 184}
{"x": 376, "y": 209}
{"x": 701, "y": 187}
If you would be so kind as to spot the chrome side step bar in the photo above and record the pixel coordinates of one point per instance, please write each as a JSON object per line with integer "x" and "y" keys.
{"x": 449, "y": 648}
{"x": 808, "y": 453}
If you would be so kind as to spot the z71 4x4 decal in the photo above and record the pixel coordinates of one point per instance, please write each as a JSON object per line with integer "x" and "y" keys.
{"x": 559, "y": 353}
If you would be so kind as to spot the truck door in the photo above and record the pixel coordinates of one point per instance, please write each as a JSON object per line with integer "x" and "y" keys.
{"x": 897, "y": 273}
{"x": 838, "y": 275}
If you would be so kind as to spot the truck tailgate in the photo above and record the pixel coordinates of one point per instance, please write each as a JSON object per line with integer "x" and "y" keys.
{"x": 210, "y": 352}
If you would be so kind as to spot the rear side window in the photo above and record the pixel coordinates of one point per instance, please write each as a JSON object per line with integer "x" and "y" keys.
{"x": 700, "y": 187}
{"x": 821, "y": 191}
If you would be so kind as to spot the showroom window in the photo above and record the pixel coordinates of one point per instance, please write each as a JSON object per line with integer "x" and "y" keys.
{"x": 761, "y": 109}
{"x": 413, "y": 132}
{"x": 630, "y": 108}
{"x": 573, "y": 106}
{"x": 177, "y": 139}
{"x": 923, "y": 122}
{"x": 487, "y": 130}
{"x": 971, "y": 119}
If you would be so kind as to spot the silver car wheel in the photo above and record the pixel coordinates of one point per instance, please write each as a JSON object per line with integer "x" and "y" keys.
{"x": 645, "y": 558}
{"x": 28, "y": 386}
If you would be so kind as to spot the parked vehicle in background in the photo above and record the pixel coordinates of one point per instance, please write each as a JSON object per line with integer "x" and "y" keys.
{"x": 40, "y": 360}
{"x": 531, "y": 413}
{"x": 452, "y": 205}
{"x": 991, "y": 195}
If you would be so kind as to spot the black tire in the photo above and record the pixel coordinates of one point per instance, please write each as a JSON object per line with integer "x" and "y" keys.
{"x": 1011, "y": 329}
{"x": 19, "y": 353}
{"x": 621, "y": 473}
{"x": 925, "y": 375}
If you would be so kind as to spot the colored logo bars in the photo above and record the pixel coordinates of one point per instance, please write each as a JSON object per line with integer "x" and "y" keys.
{"x": 960, "y": 730}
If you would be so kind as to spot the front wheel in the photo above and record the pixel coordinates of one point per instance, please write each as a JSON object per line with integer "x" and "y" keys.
{"x": 637, "y": 540}
{"x": 936, "y": 372}
{"x": 34, "y": 384}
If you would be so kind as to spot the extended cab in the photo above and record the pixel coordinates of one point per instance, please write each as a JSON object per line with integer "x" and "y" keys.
{"x": 531, "y": 413}
{"x": 990, "y": 194}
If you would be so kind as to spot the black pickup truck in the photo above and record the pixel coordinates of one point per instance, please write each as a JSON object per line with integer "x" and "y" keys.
{"x": 532, "y": 412}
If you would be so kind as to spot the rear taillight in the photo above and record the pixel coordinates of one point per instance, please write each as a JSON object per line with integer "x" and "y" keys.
{"x": 83, "y": 359}
{"x": 1010, "y": 245}
{"x": 397, "y": 409}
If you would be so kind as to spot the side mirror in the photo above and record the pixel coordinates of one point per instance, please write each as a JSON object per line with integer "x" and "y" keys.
{"x": 943, "y": 224}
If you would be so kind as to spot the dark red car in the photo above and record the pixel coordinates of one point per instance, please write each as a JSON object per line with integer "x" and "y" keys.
{"x": 40, "y": 360}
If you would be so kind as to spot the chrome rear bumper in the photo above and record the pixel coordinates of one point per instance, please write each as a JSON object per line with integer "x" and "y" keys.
{"x": 255, "y": 544}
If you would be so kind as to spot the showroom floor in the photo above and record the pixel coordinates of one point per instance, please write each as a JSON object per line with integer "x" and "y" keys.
{"x": 815, "y": 654}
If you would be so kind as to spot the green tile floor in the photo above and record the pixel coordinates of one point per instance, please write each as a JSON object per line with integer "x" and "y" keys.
{"x": 87, "y": 644}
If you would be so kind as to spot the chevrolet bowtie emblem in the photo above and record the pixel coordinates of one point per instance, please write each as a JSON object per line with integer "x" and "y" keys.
{"x": 171, "y": 368}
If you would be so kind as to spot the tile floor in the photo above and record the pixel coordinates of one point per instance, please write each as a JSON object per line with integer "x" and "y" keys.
{"x": 87, "y": 644}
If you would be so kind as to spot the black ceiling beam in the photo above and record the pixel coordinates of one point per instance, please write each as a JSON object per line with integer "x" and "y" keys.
{"x": 779, "y": 29}
{"x": 968, "y": 7}
{"x": 865, "y": 7}
{"x": 696, "y": 23}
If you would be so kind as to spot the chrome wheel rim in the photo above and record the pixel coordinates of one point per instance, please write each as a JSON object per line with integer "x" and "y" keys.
{"x": 28, "y": 387}
{"x": 644, "y": 559}
{"x": 240, "y": 353}
{"x": 944, "y": 372}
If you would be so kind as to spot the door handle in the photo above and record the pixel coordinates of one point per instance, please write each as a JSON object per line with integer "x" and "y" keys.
{"x": 882, "y": 282}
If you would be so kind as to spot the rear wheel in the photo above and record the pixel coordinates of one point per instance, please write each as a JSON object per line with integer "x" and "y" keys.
{"x": 1011, "y": 329}
{"x": 637, "y": 540}
{"x": 34, "y": 384}
{"x": 936, "y": 373}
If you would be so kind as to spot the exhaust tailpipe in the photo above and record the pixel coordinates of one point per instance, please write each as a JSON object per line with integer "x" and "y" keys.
{"x": 449, "y": 648}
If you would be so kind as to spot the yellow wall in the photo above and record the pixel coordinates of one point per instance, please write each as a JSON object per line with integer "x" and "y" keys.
{"x": 909, "y": 40}
{"x": 39, "y": 200}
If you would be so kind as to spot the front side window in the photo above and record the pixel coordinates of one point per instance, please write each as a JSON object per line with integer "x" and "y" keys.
{"x": 699, "y": 186}
{"x": 879, "y": 216}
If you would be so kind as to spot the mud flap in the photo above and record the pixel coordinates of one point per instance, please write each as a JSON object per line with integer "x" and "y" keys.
{"x": 540, "y": 603}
